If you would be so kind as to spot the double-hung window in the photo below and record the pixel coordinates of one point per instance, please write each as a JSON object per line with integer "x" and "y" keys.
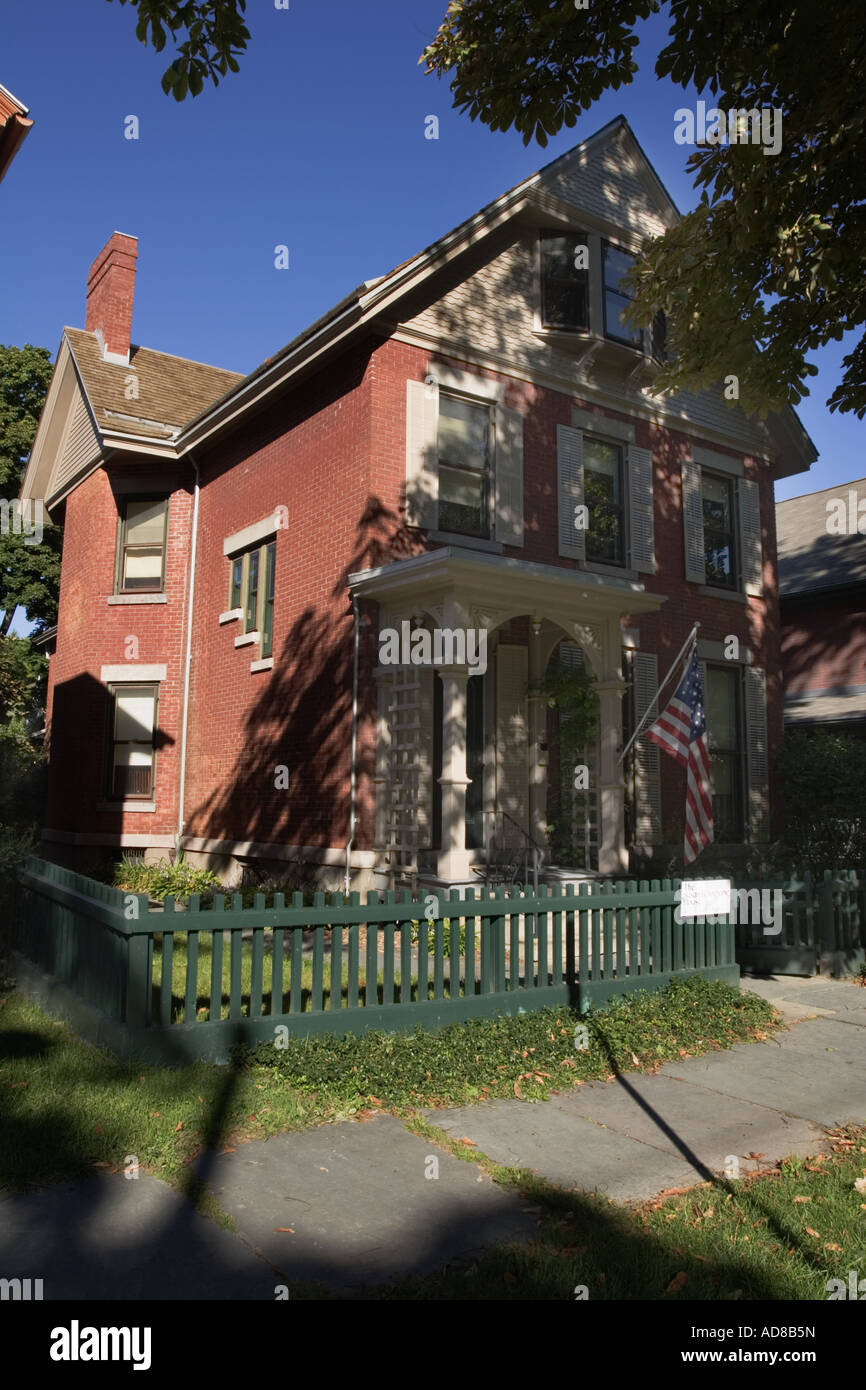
{"x": 617, "y": 300}
{"x": 604, "y": 494}
{"x": 251, "y": 592}
{"x": 141, "y": 545}
{"x": 564, "y": 281}
{"x": 718, "y": 500}
{"x": 133, "y": 723}
{"x": 724, "y": 700}
{"x": 464, "y": 448}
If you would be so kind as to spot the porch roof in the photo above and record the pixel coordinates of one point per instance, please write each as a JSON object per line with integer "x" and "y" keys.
{"x": 502, "y": 582}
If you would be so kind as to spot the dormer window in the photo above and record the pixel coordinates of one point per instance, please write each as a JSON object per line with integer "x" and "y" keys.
{"x": 565, "y": 281}
{"x": 617, "y": 301}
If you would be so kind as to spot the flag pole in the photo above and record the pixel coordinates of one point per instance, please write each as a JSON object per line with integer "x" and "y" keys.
{"x": 692, "y": 637}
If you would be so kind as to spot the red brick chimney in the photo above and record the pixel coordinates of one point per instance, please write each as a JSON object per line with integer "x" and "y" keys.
{"x": 110, "y": 291}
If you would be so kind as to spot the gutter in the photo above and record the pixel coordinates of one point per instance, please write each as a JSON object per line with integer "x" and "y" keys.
{"x": 187, "y": 664}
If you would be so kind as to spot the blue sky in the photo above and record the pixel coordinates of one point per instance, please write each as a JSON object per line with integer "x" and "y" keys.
{"x": 317, "y": 143}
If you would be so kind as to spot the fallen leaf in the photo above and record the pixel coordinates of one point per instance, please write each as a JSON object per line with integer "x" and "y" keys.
{"x": 290, "y": 1230}
{"x": 470, "y": 1143}
{"x": 831, "y": 1246}
{"x": 677, "y": 1282}
{"x": 227, "y": 1151}
{"x": 802, "y": 1199}
{"x": 756, "y": 1156}
{"x": 178, "y": 1126}
{"x": 860, "y": 1185}
{"x": 810, "y": 1232}
{"x": 155, "y": 1115}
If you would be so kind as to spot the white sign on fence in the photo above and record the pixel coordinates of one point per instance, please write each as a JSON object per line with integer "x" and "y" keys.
{"x": 705, "y": 897}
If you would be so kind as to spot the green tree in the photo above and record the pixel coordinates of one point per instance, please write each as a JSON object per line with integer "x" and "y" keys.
{"x": 29, "y": 573}
{"x": 772, "y": 263}
{"x": 824, "y": 776}
{"x": 215, "y": 35}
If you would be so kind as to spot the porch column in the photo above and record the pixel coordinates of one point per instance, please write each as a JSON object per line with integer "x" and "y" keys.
{"x": 612, "y": 856}
{"x": 382, "y": 779}
{"x": 537, "y": 742}
{"x": 454, "y": 858}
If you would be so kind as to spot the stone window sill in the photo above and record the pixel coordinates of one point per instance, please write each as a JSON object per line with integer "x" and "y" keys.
{"x": 616, "y": 571}
{"x": 732, "y": 595}
{"x": 126, "y": 806}
{"x": 231, "y": 615}
{"x": 466, "y": 542}
{"x": 138, "y": 598}
{"x": 246, "y": 639}
{"x": 266, "y": 664}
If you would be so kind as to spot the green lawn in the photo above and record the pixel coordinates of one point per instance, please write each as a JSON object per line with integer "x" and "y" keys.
{"x": 778, "y": 1235}
{"x": 67, "y": 1107}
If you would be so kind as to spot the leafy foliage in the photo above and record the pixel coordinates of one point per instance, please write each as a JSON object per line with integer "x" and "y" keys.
{"x": 488, "y": 1057}
{"x": 825, "y": 810}
{"x": 215, "y": 35}
{"x": 158, "y": 880}
{"x": 770, "y": 265}
{"x": 29, "y": 574}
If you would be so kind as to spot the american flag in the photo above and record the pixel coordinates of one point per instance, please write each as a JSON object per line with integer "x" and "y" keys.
{"x": 681, "y": 730}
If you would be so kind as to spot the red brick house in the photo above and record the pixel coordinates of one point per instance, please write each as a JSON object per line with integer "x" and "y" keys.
{"x": 822, "y": 594}
{"x": 466, "y": 446}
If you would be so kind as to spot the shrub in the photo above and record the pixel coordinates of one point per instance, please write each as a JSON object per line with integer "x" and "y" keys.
{"x": 825, "y": 813}
{"x": 158, "y": 880}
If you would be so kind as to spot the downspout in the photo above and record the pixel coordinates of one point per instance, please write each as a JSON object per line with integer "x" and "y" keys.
{"x": 353, "y": 778}
{"x": 187, "y": 664}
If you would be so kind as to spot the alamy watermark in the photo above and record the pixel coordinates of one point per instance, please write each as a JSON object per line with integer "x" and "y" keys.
{"x": 749, "y": 907}
{"x": 738, "y": 126}
{"x": 17, "y": 517}
{"x": 443, "y": 646}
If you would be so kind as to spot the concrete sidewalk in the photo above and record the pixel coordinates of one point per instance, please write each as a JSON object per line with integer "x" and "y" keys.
{"x": 353, "y": 1205}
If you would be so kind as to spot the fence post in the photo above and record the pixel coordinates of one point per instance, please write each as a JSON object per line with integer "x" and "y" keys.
{"x": 826, "y": 942}
{"x": 138, "y": 981}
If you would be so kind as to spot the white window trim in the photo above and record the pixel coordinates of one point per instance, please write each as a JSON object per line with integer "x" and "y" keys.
{"x": 717, "y": 463}
{"x": 601, "y": 425}
{"x": 252, "y": 535}
{"x": 467, "y": 383}
{"x": 132, "y": 675}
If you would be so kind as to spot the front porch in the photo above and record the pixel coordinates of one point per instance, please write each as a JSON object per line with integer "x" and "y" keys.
{"x": 466, "y": 780}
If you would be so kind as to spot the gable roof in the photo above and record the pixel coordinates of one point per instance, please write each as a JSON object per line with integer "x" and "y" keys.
{"x": 171, "y": 391}
{"x": 810, "y": 558}
{"x": 87, "y": 414}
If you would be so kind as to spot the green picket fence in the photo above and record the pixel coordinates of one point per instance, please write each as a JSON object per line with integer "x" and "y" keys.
{"x": 192, "y": 980}
{"x": 821, "y": 928}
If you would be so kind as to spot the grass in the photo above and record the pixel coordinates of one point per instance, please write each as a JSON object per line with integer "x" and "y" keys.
{"x": 777, "y": 1234}
{"x": 67, "y": 1108}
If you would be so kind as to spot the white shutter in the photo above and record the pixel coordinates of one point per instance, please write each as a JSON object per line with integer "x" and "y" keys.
{"x": 426, "y": 677}
{"x": 757, "y": 759}
{"x": 509, "y": 475}
{"x": 648, "y": 799}
{"x": 512, "y": 735}
{"x": 422, "y": 458}
{"x": 749, "y": 507}
{"x": 569, "y": 475}
{"x": 641, "y": 521}
{"x": 693, "y": 523}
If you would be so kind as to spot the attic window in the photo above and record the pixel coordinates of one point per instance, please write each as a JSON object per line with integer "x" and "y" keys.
{"x": 565, "y": 281}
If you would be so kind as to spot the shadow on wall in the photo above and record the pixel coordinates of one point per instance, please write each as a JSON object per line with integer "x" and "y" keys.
{"x": 299, "y": 726}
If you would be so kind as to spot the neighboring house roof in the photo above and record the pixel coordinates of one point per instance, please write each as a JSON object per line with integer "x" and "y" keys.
{"x": 812, "y": 558}
{"x": 826, "y": 709}
{"x": 170, "y": 391}
{"x": 14, "y": 126}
